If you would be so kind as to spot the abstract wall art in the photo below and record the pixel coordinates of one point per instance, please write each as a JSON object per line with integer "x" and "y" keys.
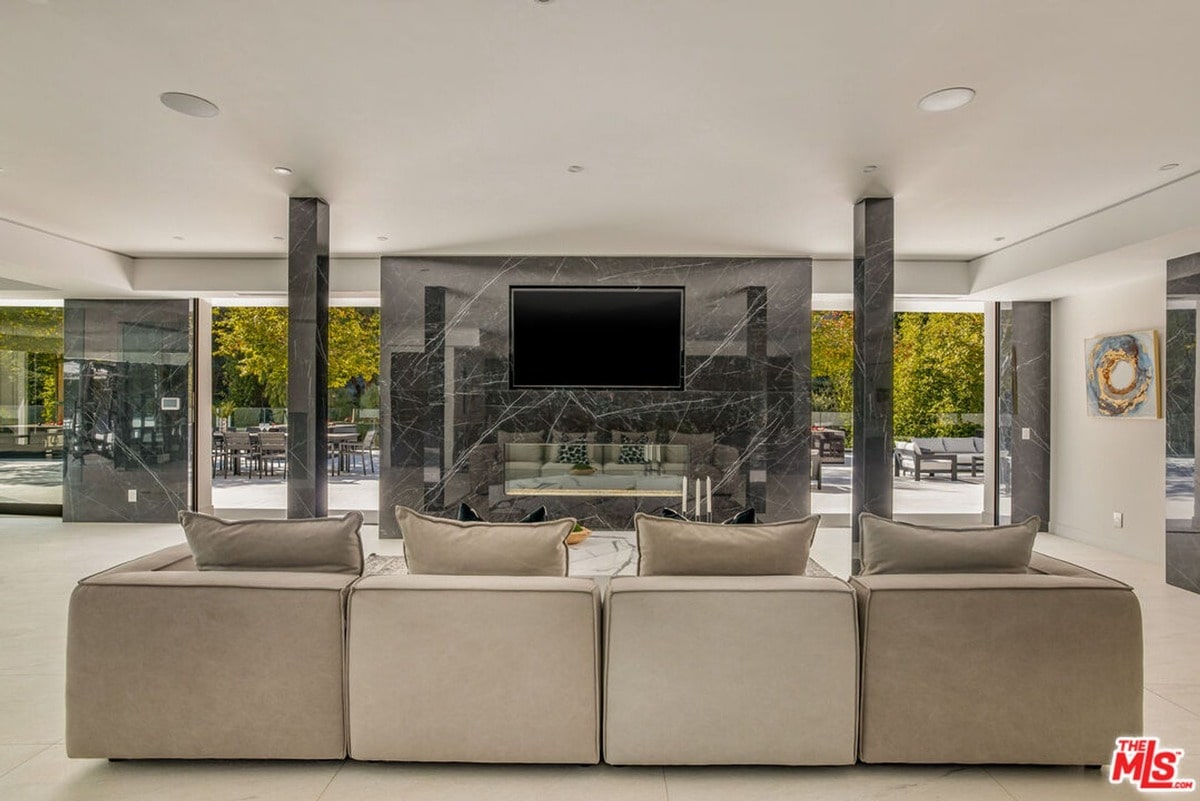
{"x": 1122, "y": 375}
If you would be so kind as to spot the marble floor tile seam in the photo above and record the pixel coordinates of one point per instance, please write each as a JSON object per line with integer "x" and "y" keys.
{"x": 33, "y": 755}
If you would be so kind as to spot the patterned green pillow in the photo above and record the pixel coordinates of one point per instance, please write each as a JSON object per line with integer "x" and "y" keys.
{"x": 632, "y": 454}
{"x": 573, "y": 452}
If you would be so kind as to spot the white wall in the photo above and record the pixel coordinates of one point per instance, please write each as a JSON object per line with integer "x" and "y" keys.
{"x": 1100, "y": 466}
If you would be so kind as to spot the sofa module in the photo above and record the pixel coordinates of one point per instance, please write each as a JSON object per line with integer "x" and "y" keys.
{"x": 1043, "y": 667}
{"x": 445, "y": 668}
{"x": 164, "y": 661}
{"x": 730, "y": 670}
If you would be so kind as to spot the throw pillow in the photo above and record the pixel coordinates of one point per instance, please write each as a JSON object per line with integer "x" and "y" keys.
{"x": 321, "y": 545}
{"x": 632, "y": 454}
{"x": 467, "y": 514}
{"x": 447, "y": 547}
{"x": 573, "y": 453}
{"x": 745, "y": 517}
{"x": 678, "y": 548}
{"x": 639, "y": 437}
{"x": 892, "y": 547}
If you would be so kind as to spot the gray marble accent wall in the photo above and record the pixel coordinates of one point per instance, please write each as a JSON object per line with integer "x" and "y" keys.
{"x": 1182, "y": 403}
{"x": 874, "y": 321}
{"x": 447, "y": 404}
{"x": 126, "y": 366}
{"x": 1029, "y": 436}
{"x": 308, "y": 358}
{"x": 1004, "y": 414}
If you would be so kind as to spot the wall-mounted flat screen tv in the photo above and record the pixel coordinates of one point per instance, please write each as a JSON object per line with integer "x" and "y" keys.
{"x": 573, "y": 337}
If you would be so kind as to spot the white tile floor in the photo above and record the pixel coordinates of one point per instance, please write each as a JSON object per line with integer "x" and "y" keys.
{"x": 41, "y": 558}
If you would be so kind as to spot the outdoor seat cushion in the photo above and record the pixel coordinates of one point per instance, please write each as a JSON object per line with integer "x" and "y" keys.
{"x": 929, "y": 445}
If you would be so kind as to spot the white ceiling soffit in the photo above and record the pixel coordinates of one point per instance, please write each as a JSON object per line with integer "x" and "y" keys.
{"x": 705, "y": 129}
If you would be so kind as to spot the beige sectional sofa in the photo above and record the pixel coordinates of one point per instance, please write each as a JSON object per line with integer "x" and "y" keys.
{"x": 1037, "y": 661}
{"x": 164, "y": 661}
{"x": 729, "y": 670}
{"x": 474, "y": 669}
{"x": 1043, "y": 667}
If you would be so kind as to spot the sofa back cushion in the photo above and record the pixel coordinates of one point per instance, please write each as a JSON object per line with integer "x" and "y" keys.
{"x": 436, "y": 545}
{"x": 928, "y": 445}
{"x": 526, "y": 452}
{"x": 959, "y": 444}
{"x": 669, "y": 547}
{"x": 892, "y": 547}
{"x": 320, "y": 545}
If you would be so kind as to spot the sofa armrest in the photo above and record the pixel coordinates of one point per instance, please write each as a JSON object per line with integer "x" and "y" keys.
{"x": 216, "y": 664}
{"x": 998, "y": 668}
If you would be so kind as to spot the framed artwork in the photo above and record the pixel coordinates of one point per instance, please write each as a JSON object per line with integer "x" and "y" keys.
{"x": 1122, "y": 375}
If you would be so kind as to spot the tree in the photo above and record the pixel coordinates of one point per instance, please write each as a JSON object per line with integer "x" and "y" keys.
{"x": 938, "y": 374}
{"x": 833, "y": 361}
{"x": 254, "y": 341}
{"x": 35, "y": 333}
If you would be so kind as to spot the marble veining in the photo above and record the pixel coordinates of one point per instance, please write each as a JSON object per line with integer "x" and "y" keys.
{"x": 874, "y": 277}
{"x": 1031, "y": 411}
{"x": 121, "y": 359}
{"x": 447, "y": 406}
{"x": 308, "y": 361}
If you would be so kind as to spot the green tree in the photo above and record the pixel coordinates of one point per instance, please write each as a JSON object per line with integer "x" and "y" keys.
{"x": 938, "y": 373}
{"x": 833, "y": 361}
{"x": 252, "y": 341}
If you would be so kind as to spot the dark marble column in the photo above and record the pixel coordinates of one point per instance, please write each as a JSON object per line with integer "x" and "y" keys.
{"x": 874, "y": 266}
{"x": 756, "y": 381}
{"x": 127, "y": 416}
{"x": 308, "y": 358}
{"x": 433, "y": 377}
{"x": 1030, "y": 437}
{"x": 1182, "y": 404}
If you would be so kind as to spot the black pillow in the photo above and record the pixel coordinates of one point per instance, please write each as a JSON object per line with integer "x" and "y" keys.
{"x": 468, "y": 515}
{"x": 743, "y": 518}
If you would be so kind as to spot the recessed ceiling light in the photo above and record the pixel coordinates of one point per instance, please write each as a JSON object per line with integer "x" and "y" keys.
{"x": 998, "y": 239}
{"x": 382, "y": 238}
{"x": 575, "y": 168}
{"x": 177, "y": 238}
{"x": 1170, "y": 166}
{"x": 190, "y": 105}
{"x": 946, "y": 99}
{"x": 277, "y": 238}
{"x": 871, "y": 168}
{"x": 282, "y": 170}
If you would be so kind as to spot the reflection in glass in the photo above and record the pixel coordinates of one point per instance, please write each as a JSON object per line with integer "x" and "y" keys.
{"x": 31, "y": 440}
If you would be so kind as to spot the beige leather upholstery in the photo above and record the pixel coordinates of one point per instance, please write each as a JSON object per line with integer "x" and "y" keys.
{"x": 708, "y": 670}
{"x": 1041, "y": 668}
{"x": 474, "y": 669}
{"x": 167, "y": 662}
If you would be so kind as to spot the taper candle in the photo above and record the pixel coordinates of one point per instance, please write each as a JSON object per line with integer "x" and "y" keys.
{"x": 708, "y": 494}
{"x": 683, "y": 504}
{"x": 697, "y": 498}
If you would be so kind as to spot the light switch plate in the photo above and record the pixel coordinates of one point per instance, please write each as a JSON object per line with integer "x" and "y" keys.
{"x": 1025, "y": 433}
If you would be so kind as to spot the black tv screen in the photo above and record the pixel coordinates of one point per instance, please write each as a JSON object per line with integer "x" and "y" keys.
{"x": 564, "y": 337}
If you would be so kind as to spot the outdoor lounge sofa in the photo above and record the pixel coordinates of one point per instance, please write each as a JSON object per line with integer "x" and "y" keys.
{"x": 929, "y": 455}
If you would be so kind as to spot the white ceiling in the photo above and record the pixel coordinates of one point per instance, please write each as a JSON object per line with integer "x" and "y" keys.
{"x": 704, "y": 127}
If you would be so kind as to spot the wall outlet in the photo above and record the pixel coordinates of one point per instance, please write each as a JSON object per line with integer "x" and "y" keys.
{"x": 1118, "y": 520}
{"x": 1025, "y": 433}
{"x": 131, "y": 496}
